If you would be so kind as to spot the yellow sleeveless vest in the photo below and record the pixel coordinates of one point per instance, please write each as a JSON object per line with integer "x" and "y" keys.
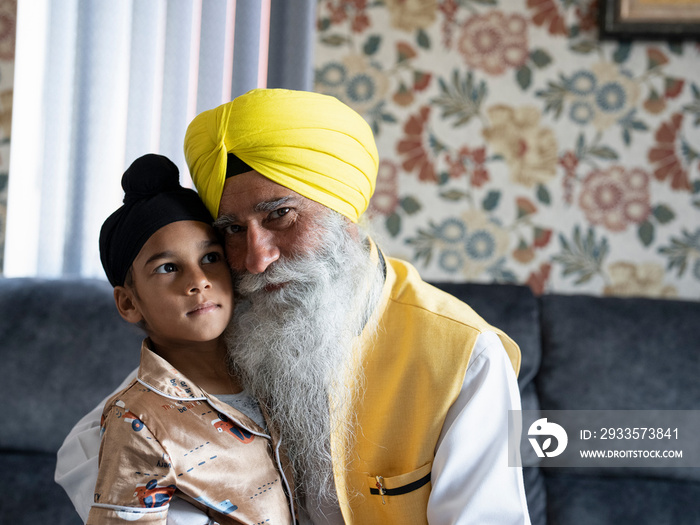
{"x": 414, "y": 368}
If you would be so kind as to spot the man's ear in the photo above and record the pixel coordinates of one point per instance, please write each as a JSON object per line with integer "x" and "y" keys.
{"x": 124, "y": 299}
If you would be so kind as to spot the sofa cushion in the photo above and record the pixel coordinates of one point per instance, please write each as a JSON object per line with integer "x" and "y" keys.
{"x": 585, "y": 500}
{"x": 605, "y": 353}
{"x": 32, "y": 497}
{"x": 64, "y": 348}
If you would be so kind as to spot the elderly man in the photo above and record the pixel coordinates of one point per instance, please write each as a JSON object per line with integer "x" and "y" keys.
{"x": 390, "y": 397}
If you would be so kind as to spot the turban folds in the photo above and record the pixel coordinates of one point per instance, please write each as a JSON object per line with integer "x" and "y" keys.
{"x": 153, "y": 198}
{"x": 312, "y": 144}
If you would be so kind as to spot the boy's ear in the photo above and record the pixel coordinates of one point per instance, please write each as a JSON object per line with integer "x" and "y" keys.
{"x": 124, "y": 299}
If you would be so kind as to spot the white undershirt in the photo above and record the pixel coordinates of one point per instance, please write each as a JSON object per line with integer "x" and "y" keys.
{"x": 246, "y": 404}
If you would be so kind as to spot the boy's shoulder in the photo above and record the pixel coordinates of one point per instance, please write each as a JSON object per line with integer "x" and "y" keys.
{"x": 133, "y": 394}
{"x": 138, "y": 405}
{"x": 148, "y": 405}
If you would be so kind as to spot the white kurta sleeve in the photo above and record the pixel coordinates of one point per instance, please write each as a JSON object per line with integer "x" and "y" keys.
{"x": 77, "y": 463}
{"x": 471, "y": 480}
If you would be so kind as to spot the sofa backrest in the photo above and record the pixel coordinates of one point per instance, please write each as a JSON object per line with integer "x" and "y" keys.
{"x": 611, "y": 353}
{"x": 607, "y": 353}
{"x": 63, "y": 348}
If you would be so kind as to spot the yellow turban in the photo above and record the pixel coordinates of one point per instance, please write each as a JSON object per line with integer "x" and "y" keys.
{"x": 312, "y": 144}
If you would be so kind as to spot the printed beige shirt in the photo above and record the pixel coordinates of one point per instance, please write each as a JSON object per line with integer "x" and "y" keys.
{"x": 162, "y": 435}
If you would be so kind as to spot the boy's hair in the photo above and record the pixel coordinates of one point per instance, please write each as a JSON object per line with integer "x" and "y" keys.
{"x": 153, "y": 198}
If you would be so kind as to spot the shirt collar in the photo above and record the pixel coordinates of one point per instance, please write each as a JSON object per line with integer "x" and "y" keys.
{"x": 161, "y": 377}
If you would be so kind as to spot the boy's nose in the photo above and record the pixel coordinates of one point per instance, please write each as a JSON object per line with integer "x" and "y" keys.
{"x": 198, "y": 281}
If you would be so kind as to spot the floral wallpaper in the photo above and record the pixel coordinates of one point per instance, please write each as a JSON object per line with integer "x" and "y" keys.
{"x": 8, "y": 17}
{"x": 517, "y": 147}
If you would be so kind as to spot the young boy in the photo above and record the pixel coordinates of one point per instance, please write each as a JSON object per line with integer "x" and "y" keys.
{"x": 169, "y": 432}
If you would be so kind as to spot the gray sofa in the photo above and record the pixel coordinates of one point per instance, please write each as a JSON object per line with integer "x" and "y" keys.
{"x": 64, "y": 348}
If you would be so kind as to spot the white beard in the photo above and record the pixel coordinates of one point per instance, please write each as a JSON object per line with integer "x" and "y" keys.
{"x": 291, "y": 347}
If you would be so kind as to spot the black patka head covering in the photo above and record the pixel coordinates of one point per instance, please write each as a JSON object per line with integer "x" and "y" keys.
{"x": 153, "y": 198}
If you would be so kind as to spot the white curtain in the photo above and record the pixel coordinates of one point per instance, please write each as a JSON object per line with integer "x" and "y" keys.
{"x": 99, "y": 83}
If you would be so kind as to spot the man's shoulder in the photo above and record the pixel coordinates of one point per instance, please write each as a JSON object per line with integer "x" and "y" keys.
{"x": 409, "y": 290}
{"x": 436, "y": 314}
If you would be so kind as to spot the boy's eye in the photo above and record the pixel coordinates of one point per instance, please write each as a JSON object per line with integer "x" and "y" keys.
{"x": 212, "y": 257}
{"x": 166, "y": 268}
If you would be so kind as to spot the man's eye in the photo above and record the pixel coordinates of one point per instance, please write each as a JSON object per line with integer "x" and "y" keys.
{"x": 232, "y": 228}
{"x": 166, "y": 268}
{"x": 212, "y": 257}
{"x": 279, "y": 213}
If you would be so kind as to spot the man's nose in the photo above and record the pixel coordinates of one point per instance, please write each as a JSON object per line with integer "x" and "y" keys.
{"x": 261, "y": 249}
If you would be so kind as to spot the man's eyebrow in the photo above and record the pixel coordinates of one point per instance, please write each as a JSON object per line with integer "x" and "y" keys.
{"x": 272, "y": 205}
{"x": 264, "y": 206}
{"x": 223, "y": 221}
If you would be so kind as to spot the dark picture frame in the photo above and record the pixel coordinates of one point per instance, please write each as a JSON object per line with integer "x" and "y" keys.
{"x": 649, "y": 19}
